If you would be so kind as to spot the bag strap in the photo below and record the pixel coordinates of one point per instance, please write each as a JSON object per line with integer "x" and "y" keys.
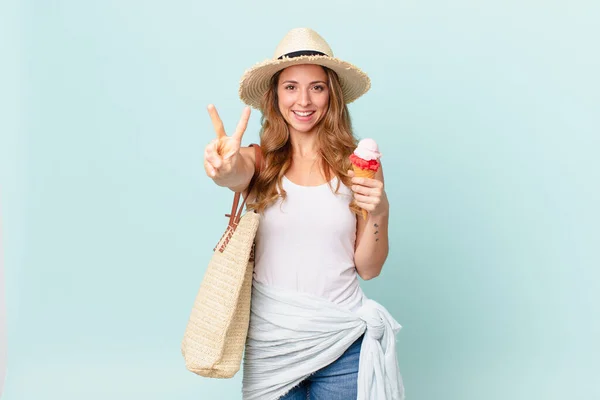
{"x": 236, "y": 213}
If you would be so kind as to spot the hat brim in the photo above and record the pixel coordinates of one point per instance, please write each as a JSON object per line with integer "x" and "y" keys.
{"x": 255, "y": 81}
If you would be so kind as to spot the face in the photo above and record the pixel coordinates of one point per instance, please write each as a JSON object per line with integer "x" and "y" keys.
{"x": 303, "y": 96}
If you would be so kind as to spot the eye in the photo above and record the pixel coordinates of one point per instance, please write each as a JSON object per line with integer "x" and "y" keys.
{"x": 319, "y": 88}
{"x": 289, "y": 87}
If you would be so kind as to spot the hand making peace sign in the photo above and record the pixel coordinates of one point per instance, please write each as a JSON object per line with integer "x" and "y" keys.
{"x": 220, "y": 153}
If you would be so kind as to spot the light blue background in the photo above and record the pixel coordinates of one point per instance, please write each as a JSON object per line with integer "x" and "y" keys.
{"x": 488, "y": 117}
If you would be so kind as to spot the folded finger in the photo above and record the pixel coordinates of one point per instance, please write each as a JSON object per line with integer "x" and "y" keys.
{"x": 366, "y": 199}
{"x": 365, "y": 206}
{"x": 210, "y": 170}
{"x": 364, "y": 190}
{"x": 213, "y": 158}
{"x": 215, "y": 161}
{"x": 212, "y": 149}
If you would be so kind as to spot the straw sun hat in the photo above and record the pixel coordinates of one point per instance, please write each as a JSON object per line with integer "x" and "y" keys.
{"x": 302, "y": 46}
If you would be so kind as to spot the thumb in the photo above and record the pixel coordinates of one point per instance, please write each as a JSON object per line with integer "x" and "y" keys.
{"x": 230, "y": 154}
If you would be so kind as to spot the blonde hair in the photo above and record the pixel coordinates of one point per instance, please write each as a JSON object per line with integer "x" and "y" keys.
{"x": 334, "y": 137}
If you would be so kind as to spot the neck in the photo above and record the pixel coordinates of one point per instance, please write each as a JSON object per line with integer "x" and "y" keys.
{"x": 304, "y": 145}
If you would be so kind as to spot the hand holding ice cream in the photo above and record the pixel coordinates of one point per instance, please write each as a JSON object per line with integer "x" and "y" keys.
{"x": 365, "y": 163}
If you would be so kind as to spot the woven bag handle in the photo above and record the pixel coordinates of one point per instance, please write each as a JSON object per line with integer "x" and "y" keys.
{"x": 236, "y": 213}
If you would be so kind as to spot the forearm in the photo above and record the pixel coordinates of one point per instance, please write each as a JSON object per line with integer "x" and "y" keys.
{"x": 373, "y": 246}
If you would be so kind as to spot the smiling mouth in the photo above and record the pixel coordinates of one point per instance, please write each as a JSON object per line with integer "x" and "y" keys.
{"x": 303, "y": 113}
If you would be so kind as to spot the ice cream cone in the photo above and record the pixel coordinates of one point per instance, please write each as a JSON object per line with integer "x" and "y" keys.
{"x": 365, "y": 161}
{"x": 363, "y": 173}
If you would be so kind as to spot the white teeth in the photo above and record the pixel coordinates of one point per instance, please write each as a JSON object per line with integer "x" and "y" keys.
{"x": 303, "y": 114}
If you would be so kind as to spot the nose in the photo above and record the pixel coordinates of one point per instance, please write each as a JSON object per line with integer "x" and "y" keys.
{"x": 304, "y": 98}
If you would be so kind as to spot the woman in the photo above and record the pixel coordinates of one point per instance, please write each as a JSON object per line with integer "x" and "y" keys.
{"x": 312, "y": 334}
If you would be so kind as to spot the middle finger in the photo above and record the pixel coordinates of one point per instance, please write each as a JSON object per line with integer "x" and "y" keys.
{"x": 366, "y": 191}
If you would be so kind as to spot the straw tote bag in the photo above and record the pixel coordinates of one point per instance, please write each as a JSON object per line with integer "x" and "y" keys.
{"x": 215, "y": 336}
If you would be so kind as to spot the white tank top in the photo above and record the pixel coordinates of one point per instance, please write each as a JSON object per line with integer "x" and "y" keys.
{"x": 306, "y": 244}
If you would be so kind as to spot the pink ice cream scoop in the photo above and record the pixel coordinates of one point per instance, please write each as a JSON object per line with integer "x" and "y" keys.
{"x": 366, "y": 157}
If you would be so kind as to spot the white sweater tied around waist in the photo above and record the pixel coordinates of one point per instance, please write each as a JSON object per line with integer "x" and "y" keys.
{"x": 293, "y": 335}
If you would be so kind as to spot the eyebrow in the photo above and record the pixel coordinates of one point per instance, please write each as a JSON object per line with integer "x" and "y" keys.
{"x": 312, "y": 83}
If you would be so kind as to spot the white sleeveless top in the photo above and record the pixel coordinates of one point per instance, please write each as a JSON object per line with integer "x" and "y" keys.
{"x": 306, "y": 244}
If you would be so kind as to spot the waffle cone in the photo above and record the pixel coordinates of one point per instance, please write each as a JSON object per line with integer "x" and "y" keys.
{"x": 363, "y": 173}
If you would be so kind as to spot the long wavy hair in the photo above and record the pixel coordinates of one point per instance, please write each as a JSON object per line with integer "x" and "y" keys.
{"x": 335, "y": 141}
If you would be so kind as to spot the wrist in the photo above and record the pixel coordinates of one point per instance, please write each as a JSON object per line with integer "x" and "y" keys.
{"x": 383, "y": 210}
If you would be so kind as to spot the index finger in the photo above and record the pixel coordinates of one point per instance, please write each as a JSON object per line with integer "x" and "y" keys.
{"x": 243, "y": 124}
{"x": 216, "y": 121}
{"x": 368, "y": 182}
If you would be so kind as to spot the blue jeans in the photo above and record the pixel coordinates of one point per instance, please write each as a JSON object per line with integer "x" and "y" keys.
{"x": 337, "y": 381}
